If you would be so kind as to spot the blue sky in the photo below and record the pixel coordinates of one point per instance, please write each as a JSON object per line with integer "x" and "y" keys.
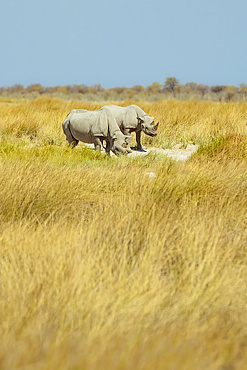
{"x": 123, "y": 43}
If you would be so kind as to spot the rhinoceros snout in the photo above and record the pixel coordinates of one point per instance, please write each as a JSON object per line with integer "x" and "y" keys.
{"x": 121, "y": 151}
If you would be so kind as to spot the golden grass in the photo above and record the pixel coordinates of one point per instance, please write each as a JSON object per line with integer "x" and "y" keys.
{"x": 103, "y": 267}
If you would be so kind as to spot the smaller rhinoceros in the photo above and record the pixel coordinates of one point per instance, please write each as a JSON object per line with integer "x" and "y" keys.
{"x": 94, "y": 127}
{"x": 133, "y": 119}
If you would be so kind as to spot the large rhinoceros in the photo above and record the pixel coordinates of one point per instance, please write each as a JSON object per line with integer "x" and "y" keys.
{"x": 94, "y": 127}
{"x": 133, "y": 119}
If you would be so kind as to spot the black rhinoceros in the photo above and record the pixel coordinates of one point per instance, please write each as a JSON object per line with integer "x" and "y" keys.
{"x": 94, "y": 127}
{"x": 133, "y": 119}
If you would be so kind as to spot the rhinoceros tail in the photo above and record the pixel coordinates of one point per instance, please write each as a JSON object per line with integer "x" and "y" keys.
{"x": 67, "y": 131}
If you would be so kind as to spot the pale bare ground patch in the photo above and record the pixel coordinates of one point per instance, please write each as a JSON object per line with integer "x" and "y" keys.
{"x": 176, "y": 153}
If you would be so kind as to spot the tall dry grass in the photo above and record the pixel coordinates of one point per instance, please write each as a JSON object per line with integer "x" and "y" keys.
{"x": 103, "y": 267}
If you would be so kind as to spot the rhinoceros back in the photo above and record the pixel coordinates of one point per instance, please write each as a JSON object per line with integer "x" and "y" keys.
{"x": 126, "y": 117}
{"x": 85, "y": 125}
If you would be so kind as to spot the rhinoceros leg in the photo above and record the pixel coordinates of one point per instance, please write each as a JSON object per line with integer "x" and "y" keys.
{"x": 97, "y": 143}
{"x": 108, "y": 147}
{"x": 138, "y": 140}
{"x": 73, "y": 143}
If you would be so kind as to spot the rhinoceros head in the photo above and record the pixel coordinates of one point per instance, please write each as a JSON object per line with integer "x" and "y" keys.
{"x": 120, "y": 143}
{"x": 148, "y": 126}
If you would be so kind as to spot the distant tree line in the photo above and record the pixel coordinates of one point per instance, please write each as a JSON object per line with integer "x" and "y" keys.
{"x": 171, "y": 88}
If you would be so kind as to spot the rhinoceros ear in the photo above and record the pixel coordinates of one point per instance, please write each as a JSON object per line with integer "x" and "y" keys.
{"x": 141, "y": 120}
{"x": 128, "y": 139}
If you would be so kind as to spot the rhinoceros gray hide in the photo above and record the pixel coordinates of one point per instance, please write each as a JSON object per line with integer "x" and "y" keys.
{"x": 94, "y": 127}
{"x": 133, "y": 119}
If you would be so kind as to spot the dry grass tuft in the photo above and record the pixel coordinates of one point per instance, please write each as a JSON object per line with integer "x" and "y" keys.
{"x": 104, "y": 267}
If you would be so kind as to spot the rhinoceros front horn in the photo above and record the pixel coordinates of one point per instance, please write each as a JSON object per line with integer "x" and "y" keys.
{"x": 156, "y": 126}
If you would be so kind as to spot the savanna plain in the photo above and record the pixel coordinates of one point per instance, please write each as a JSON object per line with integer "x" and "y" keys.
{"x": 104, "y": 267}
